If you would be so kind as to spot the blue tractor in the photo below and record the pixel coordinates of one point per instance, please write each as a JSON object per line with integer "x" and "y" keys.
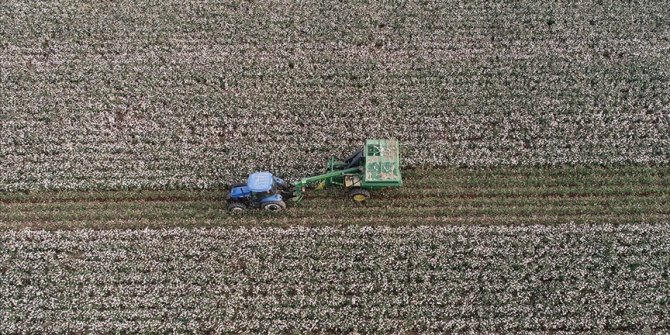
{"x": 262, "y": 190}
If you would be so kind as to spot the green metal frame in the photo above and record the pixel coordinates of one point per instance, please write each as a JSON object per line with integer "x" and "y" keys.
{"x": 330, "y": 178}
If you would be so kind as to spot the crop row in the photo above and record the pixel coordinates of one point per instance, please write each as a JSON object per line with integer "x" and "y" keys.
{"x": 443, "y": 182}
{"x": 197, "y": 94}
{"x": 451, "y": 196}
{"x": 569, "y": 277}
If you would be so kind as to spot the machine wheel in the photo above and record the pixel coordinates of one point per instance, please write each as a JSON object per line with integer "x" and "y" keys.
{"x": 274, "y": 206}
{"x": 359, "y": 195}
{"x": 236, "y": 207}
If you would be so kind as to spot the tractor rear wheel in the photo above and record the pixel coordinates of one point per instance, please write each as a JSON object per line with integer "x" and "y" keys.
{"x": 236, "y": 207}
{"x": 359, "y": 195}
{"x": 274, "y": 206}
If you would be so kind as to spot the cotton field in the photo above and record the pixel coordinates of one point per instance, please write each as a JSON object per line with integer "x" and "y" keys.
{"x": 196, "y": 94}
{"x": 535, "y": 148}
{"x": 469, "y": 250}
{"x": 424, "y": 279}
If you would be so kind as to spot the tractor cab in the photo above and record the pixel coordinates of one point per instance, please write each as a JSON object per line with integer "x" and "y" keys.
{"x": 262, "y": 190}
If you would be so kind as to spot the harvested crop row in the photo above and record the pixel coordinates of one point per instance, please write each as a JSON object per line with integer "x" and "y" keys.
{"x": 636, "y": 195}
{"x": 368, "y": 279}
{"x": 381, "y": 204}
{"x": 445, "y": 183}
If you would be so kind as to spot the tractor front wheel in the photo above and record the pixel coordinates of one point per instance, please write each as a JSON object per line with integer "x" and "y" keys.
{"x": 274, "y": 206}
{"x": 359, "y": 195}
{"x": 236, "y": 207}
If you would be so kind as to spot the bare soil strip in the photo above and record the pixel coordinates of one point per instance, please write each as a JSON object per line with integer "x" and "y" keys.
{"x": 439, "y": 196}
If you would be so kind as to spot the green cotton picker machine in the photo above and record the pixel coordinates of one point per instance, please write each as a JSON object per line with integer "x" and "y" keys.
{"x": 375, "y": 166}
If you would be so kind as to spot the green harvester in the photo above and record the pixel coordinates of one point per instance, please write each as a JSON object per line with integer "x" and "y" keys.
{"x": 375, "y": 166}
